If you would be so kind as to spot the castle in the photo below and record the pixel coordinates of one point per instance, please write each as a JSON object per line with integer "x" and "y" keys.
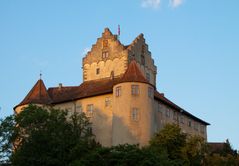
{"x": 118, "y": 94}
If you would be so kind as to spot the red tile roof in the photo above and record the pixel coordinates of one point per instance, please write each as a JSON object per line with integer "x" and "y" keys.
{"x": 37, "y": 95}
{"x": 133, "y": 74}
{"x": 54, "y": 95}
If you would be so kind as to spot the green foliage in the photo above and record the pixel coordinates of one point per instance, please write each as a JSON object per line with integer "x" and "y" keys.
{"x": 47, "y": 136}
{"x": 124, "y": 155}
{"x": 170, "y": 139}
{"x": 195, "y": 150}
{"x": 6, "y": 133}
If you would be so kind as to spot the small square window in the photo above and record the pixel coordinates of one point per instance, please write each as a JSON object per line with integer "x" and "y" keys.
{"x": 135, "y": 114}
{"x": 118, "y": 91}
{"x": 135, "y": 90}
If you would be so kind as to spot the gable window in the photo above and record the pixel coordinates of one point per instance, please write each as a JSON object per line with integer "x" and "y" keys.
{"x": 150, "y": 92}
{"x": 118, "y": 91}
{"x": 107, "y": 101}
{"x": 90, "y": 110}
{"x": 135, "y": 114}
{"x": 98, "y": 71}
{"x": 105, "y": 54}
{"x": 135, "y": 90}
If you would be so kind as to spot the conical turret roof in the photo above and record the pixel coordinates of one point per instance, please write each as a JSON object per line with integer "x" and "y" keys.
{"x": 133, "y": 74}
{"x": 37, "y": 95}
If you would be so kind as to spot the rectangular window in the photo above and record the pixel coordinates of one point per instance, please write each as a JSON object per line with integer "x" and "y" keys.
{"x": 135, "y": 90}
{"x": 107, "y": 101}
{"x": 196, "y": 126}
{"x": 118, "y": 91}
{"x": 98, "y": 71}
{"x": 150, "y": 92}
{"x": 79, "y": 108}
{"x": 135, "y": 114}
{"x": 182, "y": 119}
{"x": 90, "y": 110}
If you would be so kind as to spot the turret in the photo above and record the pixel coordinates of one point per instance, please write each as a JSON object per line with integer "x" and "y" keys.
{"x": 37, "y": 95}
{"x": 132, "y": 108}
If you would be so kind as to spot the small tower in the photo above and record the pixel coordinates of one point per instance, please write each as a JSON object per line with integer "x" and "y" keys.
{"x": 133, "y": 100}
{"x": 37, "y": 95}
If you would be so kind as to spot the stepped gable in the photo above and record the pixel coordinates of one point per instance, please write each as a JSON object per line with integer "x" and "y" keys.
{"x": 37, "y": 95}
{"x": 133, "y": 74}
{"x": 112, "y": 45}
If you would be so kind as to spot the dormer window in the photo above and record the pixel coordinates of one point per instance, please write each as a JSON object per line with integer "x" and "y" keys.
{"x": 105, "y": 54}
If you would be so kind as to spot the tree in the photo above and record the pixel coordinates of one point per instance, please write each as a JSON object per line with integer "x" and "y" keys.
{"x": 195, "y": 150}
{"x": 48, "y": 136}
{"x": 6, "y": 132}
{"x": 171, "y": 140}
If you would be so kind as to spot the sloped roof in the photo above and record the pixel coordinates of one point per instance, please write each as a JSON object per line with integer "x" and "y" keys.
{"x": 133, "y": 74}
{"x": 163, "y": 99}
{"x": 54, "y": 95}
{"x": 37, "y": 95}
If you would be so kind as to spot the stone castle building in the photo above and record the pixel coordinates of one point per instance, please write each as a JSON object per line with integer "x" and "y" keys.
{"x": 119, "y": 94}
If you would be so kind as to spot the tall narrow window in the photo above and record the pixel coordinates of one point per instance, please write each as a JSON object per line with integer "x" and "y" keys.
{"x": 98, "y": 71}
{"x": 168, "y": 113}
{"x": 118, "y": 91}
{"x": 142, "y": 60}
{"x": 107, "y": 101}
{"x": 135, "y": 90}
{"x": 189, "y": 123}
{"x": 202, "y": 129}
{"x": 150, "y": 92}
{"x": 182, "y": 119}
{"x": 90, "y": 110}
{"x": 135, "y": 114}
{"x": 148, "y": 76}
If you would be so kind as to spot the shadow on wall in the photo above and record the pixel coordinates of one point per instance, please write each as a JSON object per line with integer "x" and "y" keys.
{"x": 112, "y": 130}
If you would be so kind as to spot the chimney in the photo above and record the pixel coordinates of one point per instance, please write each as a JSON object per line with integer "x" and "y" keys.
{"x": 60, "y": 86}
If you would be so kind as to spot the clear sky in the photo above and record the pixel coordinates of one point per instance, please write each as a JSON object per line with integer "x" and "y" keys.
{"x": 195, "y": 45}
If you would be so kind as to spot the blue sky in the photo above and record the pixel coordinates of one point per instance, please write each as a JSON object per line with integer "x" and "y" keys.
{"x": 195, "y": 45}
